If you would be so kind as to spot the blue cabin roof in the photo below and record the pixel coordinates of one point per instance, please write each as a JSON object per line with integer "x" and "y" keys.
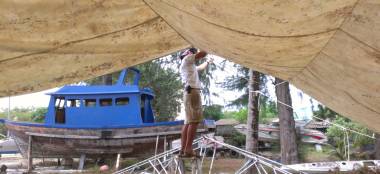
{"x": 120, "y": 87}
{"x": 104, "y": 89}
{"x": 122, "y": 104}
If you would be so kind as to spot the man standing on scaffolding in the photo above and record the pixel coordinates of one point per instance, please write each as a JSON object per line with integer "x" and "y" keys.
{"x": 192, "y": 97}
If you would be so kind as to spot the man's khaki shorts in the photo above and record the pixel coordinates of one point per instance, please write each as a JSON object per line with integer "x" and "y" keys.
{"x": 193, "y": 106}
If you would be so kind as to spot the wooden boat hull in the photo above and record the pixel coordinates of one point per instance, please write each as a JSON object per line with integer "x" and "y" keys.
{"x": 268, "y": 133}
{"x": 72, "y": 142}
{"x": 338, "y": 166}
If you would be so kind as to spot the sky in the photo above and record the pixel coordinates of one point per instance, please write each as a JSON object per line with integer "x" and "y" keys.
{"x": 301, "y": 101}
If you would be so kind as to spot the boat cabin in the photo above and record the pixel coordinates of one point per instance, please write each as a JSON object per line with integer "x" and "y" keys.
{"x": 103, "y": 105}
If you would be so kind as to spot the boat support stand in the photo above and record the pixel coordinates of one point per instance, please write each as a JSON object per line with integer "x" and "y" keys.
{"x": 81, "y": 161}
{"x": 30, "y": 158}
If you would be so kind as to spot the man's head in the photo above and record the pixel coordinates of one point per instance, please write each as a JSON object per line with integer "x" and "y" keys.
{"x": 188, "y": 52}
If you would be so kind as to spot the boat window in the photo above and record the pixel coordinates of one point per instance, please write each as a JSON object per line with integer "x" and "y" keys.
{"x": 73, "y": 103}
{"x": 122, "y": 101}
{"x": 90, "y": 102}
{"x": 106, "y": 102}
{"x": 129, "y": 78}
{"x": 60, "y": 114}
{"x": 59, "y": 102}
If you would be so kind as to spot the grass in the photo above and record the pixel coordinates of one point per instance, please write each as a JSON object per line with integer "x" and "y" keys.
{"x": 307, "y": 153}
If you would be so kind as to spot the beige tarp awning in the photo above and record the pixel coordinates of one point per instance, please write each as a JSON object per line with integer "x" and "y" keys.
{"x": 329, "y": 49}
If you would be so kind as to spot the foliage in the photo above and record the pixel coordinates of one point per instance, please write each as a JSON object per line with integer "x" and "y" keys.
{"x": 237, "y": 139}
{"x": 38, "y": 115}
{"x": 206, "y": 77}
{"x": 336, "y": 135}
{"x": 241, "y": 115}
{"x": 24, "y": 114}
{"x": 325, "y": 112}
{"x": 228, "y": 114}
{"x": 308, "y": 153}
{"x": 239, "y": 82}
{"x": 166, "y": 84}
{"x": 213, "y": 112}
{"x": 3, "y": 130}
{"x": 268, "y": 111}
{"x": 266, "y": 114}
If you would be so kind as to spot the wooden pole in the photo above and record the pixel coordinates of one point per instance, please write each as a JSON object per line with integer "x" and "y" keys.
{"x": 165, "y": 144}
{"x": 81, "y": 161}
{"x": 117, "y": 161}
{"x": 196, "y": 166}
{"x": 30, "y": 158}
{"x": 155, "y": 151}
{"x": 9, "y": 114}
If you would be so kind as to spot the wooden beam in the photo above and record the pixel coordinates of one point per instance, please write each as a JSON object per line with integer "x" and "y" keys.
{"x": 153, "y": 134}
{"x": 62, "y": 136}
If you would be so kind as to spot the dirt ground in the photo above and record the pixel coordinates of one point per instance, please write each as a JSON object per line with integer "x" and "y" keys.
{"x": 224, "y": 165}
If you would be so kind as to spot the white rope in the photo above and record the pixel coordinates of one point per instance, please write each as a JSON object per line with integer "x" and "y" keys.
{"x": 344, "y": 128}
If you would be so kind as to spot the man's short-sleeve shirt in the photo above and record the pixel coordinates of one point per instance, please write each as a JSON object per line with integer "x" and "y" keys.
{"x": 189, "y": 73}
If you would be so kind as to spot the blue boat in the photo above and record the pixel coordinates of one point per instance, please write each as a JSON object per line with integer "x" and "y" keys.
{"x": 97, "y": 120}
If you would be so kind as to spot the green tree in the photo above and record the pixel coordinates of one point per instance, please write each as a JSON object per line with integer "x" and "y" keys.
{"x": 38, "y": 115}
{"x": 336, "y": 135}
{"x": 24, "y": 114}
{"x": 213, "y": 112}
{"x": 167, "y": 87}
{"x": 239, "y": 82}
{"x": 268, "y": 112}
{"x": 241, "y": 115}
{"x": 325, "y": 113}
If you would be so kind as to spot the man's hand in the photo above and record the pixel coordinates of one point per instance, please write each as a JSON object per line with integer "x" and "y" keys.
{"x": 210, "y": 60}
{"x": 205, "y": 64}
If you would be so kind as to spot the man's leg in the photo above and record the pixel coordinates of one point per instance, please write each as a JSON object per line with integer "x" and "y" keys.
{"x": 184, "y": 137}
{"x": 191, "y": 132}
